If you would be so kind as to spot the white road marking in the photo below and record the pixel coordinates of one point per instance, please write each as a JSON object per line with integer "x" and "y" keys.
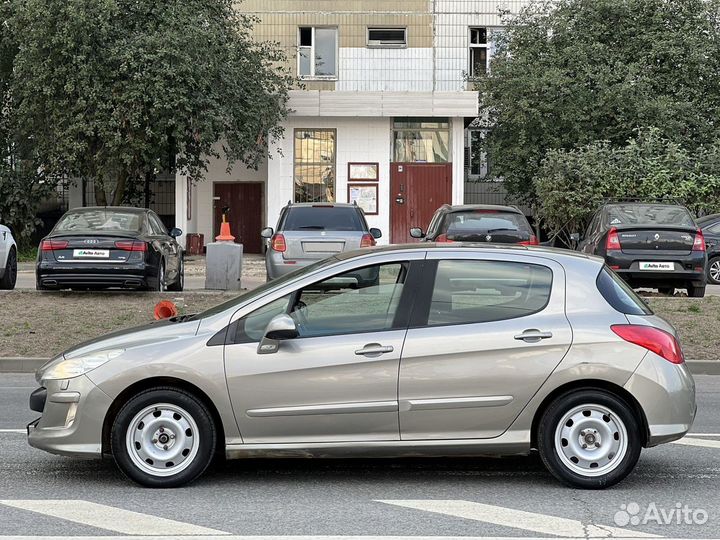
{"x": 519, "y": 519}
{"x": 110, "y": 518}
{"x": 13, "y": 431}
{"x": 703, "y": 435}
{"x": 689, "y": 441}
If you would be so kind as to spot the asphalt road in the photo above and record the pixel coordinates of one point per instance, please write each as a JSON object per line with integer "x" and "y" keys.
{"x": 41, "y": 494}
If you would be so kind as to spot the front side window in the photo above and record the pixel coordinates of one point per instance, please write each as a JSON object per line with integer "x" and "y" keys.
{"x": 317, "y": 52}
{"x": 362, "y": 300}
{"x": 421, "y": 140}
{"x": 468, "y": 291}
{"x": 314, "y": 165}
{"x": 251, "y": 328}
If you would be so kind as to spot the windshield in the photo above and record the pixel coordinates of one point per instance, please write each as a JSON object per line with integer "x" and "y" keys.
{"x": 264, "y": 288}
{"x": 321, "y": 218}
{"x": 484, "y": 221}
{"x": 649, "y": 214}
{"x": 100, "y": 220}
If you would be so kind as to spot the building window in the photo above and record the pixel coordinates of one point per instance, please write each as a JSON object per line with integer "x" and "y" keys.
{"x": 421, "y": 140}
{"x": 476, "y": 162}
{"x": 479, "y": 52}
{"x": 387, "y": 38}
{"x": 314, "y": 165}
{"x": 317, "y": 52}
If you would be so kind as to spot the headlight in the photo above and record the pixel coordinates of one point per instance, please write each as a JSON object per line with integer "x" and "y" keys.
{"x": 74, "y": 367}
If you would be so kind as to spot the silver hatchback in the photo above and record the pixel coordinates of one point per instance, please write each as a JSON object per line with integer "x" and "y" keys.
{"x": 308, "y": 232}
{"x": 454, "y": 349}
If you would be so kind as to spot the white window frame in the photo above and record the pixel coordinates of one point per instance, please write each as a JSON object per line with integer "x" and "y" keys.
{"x": 487, "y": 46}
{"x": 469, "y": 175}
{"x": 311, "y": 49}
{"x": 387, "y": 45}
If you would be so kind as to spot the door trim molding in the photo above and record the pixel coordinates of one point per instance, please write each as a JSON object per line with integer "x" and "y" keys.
{"x": 333, "y": 408}
{"x": 454, "y": 403}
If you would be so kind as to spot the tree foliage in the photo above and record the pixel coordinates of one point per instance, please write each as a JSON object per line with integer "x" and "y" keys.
{"x": 118, "y": 90}
{"x": 572, "y": 184}
{"x": 571, "y": 72}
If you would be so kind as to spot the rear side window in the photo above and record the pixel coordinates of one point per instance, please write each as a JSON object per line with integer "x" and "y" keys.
{"x": 467, "y": 291}
{"x": 620, "y": 295}
{"x": 321, "y": 218}
{"x": 485, "y": 222}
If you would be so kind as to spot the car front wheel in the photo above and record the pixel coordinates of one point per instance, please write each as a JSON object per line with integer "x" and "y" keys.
{"x": 163, "y": 438}
{"x": 713, "y": 273}
{"x": 589, "y": 439}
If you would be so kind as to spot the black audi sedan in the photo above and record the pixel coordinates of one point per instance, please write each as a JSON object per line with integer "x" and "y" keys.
{"x": 110, "y": 247}
{"x": 652, "y": 245}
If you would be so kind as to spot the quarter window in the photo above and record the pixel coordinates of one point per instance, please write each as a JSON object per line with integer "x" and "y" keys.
{"x": 317, "y": 52}
{"x": 359, "y": 301}
{"x": 314, "y": 165}
{"x": 467, "y": 291}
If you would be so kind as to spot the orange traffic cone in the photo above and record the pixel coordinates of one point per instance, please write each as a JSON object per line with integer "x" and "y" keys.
{"x": 225, "y": 234}
{"x": 165, "y": 310}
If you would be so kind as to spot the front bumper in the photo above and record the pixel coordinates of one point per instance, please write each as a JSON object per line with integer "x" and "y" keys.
{"x": 666, "y": 394}
{"x": 72, "y": 418}
{"x": 63, "y": 275}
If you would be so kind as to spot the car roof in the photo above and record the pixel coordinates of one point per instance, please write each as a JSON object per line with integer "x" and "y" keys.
{"x": 125, "y": 209}
{"x": 322, "y": 204}
{"x": 557, "y": 254}
{"x": 491, "y": 207}
{"x": 707, "y": 220}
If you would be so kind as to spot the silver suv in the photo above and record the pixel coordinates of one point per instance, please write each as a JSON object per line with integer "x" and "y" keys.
{"x": 308, "y": 232}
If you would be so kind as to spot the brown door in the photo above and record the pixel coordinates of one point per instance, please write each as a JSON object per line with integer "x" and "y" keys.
{"x": 245, "y": 200}
{"x": 416, "y": 191}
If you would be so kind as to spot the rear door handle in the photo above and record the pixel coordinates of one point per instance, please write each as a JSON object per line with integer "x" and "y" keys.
{"x": 374, "y": 349}
{"x": 533, "y": 336}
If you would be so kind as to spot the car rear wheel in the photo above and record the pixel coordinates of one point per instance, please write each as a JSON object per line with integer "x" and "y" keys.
{"x": 589, "y": 439}
{"x": 695, "y": 291}
{"x": 10, "y": 276}
{"x": 713, "y": 273}
{"x": 163, "y": 438}
{"x": 179, "y": 284}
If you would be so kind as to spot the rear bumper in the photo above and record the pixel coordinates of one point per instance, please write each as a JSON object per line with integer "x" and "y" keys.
{"x": 685, "y": 268}
{"x": 666, "y": 394}
{"x": 61, "y": 275}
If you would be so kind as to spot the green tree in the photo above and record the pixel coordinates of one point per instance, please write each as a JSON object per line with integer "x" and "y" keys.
{"x": 572, "y": 184}
{"x": 568, "y": 73}
{"x": 118, "y": 90}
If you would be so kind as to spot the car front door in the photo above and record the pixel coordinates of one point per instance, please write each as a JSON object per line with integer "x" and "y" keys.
{"x": 487, "y": 330}
{"x": 337, "y": 381}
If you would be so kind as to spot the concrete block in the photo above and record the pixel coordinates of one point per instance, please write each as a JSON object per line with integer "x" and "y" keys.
{"x": 223, "y": 266}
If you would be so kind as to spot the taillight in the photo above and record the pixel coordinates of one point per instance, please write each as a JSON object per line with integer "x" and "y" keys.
{"x": 652, "y": 339}
{"x": 131, "y": 245}
{"x": 368, "y": 240}
{"x": 613, "y": 240}
{"x": 443, "y": 239}
{"x": 277, "y": 243}
{"x": 532, "y": 242}
{"x": 699, "y": 242}
{"x": 52, "y": 245}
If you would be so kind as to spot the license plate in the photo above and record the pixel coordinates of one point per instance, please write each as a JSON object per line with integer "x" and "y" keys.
{"x": 91, "y": 253}
{"x": 661, "y": 266}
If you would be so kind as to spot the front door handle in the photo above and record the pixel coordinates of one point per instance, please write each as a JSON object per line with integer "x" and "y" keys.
{"x": 374, "y": 349}
{"x": 533, "y": 336}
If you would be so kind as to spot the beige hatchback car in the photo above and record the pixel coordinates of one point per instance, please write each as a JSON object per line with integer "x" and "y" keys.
{"x": 455, "y": 349}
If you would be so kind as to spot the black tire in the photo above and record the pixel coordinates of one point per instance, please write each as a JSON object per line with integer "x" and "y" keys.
{"x": 159, "y": 287}
{"x": 9, "y": 278}
{"x": 202, "y": 432}
{"x": 582, "y": 400}
{"x": 713, "y": 269}
{"x": 179, "y": 284}
{"x": 695, "y": 291}
{"x": 669, "y": 291}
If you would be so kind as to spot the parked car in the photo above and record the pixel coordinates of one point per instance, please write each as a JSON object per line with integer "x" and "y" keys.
{"x": 102, "y": 247}
{"x": 478, "y": 223}
{"x": 456, "y": 349}
{"x": 8, "y": 259}
{"x": 710, "y": 226}
{"x": 650, "y": 245}
{"x": 308, "y": 232}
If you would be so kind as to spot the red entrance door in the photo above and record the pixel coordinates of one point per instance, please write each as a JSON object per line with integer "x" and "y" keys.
{"x": 416, "y": 191}
{"x": 245, "y": 200}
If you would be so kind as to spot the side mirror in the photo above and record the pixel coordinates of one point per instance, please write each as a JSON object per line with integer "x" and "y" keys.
{"x": 175, "y": 232}
{"x": 280, "y": 328}
{"x": 376, "y": 233}
{"x": 267, "y": 232}
{"x": 417, "y": 232}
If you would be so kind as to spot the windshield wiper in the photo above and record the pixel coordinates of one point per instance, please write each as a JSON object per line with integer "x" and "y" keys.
{"x": 314, "y": 227}
{"x": 500, "y": 230}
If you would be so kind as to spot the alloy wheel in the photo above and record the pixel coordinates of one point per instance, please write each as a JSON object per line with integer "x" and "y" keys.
{"x": 714, "y": 271}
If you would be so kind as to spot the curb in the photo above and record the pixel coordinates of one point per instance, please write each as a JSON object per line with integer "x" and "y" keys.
{"x": 29, "y": 365}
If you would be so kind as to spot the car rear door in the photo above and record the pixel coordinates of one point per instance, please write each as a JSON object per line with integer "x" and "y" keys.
{"x": 338, "y": 380}
{"x": 487, "y": 330}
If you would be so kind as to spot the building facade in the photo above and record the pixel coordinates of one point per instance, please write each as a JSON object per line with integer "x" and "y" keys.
{"x": 382, "y": 115}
